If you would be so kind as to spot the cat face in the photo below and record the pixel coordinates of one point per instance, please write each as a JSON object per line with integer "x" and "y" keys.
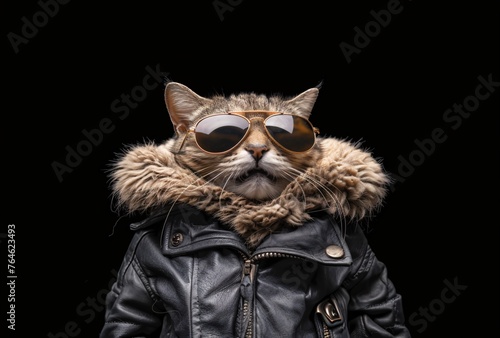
{"x": 253, "y": 163}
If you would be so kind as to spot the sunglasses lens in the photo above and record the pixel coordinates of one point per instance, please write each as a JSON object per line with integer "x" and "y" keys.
{"x": 219, "y": 133}
{"x": 292, "y": 132}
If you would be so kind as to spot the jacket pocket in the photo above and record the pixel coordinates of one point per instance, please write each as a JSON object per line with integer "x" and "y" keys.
{"x": 331, "y": 315}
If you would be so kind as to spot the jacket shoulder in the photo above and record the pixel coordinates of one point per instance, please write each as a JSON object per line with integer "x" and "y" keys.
{"x": 149, "y": 221}
{"x": 158, "y": 218}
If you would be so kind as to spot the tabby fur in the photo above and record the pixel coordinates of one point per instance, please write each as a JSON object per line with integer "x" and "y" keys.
{"x": 337, "y": 176}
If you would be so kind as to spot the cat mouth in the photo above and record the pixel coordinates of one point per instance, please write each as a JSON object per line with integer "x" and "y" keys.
{"x": 256, "y": 173}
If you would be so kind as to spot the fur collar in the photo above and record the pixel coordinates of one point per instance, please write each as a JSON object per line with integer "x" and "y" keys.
{"x": 147, "y": 177}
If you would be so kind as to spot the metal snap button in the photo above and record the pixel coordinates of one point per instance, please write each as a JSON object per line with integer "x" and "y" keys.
{"x": 176, "y": 239}
{"x": 334, "y": 251}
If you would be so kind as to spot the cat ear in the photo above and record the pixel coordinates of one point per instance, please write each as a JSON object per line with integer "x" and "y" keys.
{"x": 303, "y": 103}
{"x": 181, "y": 103}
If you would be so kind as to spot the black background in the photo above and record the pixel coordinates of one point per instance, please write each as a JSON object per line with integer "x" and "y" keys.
{"x": 439, "y": 224}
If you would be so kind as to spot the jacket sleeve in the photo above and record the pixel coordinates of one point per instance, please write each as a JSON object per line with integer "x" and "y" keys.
{"x": 375, "y": 308}
{"x": 130, "y": 305}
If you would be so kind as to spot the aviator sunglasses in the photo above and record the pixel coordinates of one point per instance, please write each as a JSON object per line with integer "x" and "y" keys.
{"x": 221, "y": 133}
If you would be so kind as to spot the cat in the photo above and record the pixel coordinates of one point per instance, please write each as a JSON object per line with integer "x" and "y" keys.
{"x": 251, "y": 226}
{"x": 257, "y": 173}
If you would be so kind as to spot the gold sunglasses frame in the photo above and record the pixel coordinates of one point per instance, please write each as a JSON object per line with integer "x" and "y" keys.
{"x": 249, "y": 120}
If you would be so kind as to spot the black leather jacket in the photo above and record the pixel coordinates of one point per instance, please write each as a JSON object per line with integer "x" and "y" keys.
{"x": 185, "y": 275}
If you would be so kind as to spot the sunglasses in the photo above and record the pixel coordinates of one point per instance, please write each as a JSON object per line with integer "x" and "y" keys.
{"x": 221, "y": 133}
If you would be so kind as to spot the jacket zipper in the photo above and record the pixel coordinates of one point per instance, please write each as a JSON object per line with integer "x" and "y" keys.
{"x": 247, "y": 293}
{"x": 247, "y": 285}
{"x": 326, "y": 331}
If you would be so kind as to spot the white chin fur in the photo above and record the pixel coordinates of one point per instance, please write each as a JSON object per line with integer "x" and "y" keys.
{"x": 258, "y": 188}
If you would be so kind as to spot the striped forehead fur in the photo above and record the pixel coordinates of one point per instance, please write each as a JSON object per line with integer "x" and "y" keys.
{"x": 245, "y": 101}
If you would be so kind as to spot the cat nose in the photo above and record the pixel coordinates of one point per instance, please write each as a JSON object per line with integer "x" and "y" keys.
{"x": 256, "y": 150}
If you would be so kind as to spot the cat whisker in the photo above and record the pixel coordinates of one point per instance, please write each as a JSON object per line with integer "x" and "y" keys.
{"x": 218, "y": 175}
{"x": 323, "y": 189}
{"x": 199, "y": 178}
{"x": 332, "y": 194}
{"x": 320, "y": 187}
{"x": 290, "y": 176}
{"x": 224, "y": 187}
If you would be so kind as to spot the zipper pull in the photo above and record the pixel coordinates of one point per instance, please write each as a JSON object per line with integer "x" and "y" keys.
{"x": 246, "y": 287}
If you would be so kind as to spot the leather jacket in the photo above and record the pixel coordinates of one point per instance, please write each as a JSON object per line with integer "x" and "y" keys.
{"x": 187, "y": 275}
